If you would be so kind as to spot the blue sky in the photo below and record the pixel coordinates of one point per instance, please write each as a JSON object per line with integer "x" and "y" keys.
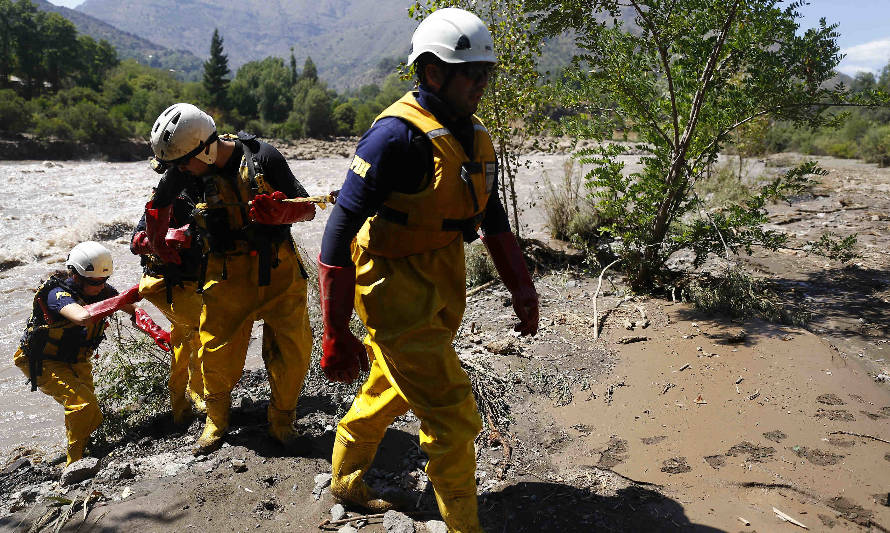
{"x": 864, "y": 26}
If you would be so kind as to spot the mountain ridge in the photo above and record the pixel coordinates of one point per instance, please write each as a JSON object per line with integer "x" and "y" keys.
{"x": 345, "y": 38}
{"x": 129, "y": 45}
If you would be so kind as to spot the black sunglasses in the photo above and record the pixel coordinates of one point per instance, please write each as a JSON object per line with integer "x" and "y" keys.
{"x": 476, "y": 72}
{"x": 95, "y": 282}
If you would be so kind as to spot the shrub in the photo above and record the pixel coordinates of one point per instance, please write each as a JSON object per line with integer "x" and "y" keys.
{"x": 14, "y": 115}
{"x": 875, "y": 146}
{"x": 737, "y": 294}
{"x": 46, "y": 127}
{"x": 91, "y": 123}
{"x": 344, "y": 119}
{"x": 722, "y": 187}
{"x": 131, "y": 383}
{"x": 570, "y": 215}
{"x": 480, "y": 269}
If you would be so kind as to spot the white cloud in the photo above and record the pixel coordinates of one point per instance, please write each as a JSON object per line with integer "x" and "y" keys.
{"x": 870, "y": 57}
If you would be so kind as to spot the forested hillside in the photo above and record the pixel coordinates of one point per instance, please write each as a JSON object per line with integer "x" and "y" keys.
{"x": 130, "y": 46}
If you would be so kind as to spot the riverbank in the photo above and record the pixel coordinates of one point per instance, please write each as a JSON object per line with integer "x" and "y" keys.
{"x": 28, "y": 147}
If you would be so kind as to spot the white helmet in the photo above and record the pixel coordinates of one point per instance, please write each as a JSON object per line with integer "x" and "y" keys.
{"x": 454, "y": 36}
{"x": 91, "y": 260}
{"x": 183, "y": 131}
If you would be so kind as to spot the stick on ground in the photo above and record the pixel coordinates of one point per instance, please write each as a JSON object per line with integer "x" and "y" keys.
{"x": 599, "y": 284}
{"x": 859, "y": 435}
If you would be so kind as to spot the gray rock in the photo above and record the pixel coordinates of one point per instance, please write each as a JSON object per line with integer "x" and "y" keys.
{"x": 21, "y": 462}
{"x": 79, "y": 471}
{"x": 436, "y": 526}
{"x": 322, "y": 481}
{"x": 347, "y": 529}
{"x": 396, "y": 522}
{"x": 116, "y": 472}
{"x": 239, "y": 465}
{"x": 337, "y": 512}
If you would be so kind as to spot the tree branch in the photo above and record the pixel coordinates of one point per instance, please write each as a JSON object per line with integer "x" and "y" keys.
{"x": 704, "y": 81}
{"x": 662, "y": 52}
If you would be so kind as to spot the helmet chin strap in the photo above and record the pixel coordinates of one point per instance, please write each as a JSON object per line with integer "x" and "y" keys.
{"x": 449, "y": 71}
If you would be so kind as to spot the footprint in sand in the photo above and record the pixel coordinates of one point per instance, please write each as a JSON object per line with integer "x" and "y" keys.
{"x": 715, "y": 461}
{"x": 675, "y": 465}
{"x": 835, "y": 414}
{"x": 614, "y": 454}
{"x": 829, "y": 399}
{"x": 817, "y": 457}
{"x": 755, "y": 453}
{"x": 776, "y": 435}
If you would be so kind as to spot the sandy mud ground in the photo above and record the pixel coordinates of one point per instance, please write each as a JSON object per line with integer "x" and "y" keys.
{"x": 670, "y": 421}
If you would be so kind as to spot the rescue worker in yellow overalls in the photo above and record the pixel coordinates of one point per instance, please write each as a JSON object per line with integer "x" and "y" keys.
{"x": 173, "y": 289}
{"x": 66, "y": 326}
{"x": 251, "y": 267}
{"x": 422, "y": 181}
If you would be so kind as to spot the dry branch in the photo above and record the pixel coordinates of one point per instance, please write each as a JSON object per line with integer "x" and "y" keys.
{"x": 599, "y": 284}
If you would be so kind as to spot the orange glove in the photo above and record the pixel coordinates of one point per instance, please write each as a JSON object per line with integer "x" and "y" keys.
{"x": 270, "y": 209}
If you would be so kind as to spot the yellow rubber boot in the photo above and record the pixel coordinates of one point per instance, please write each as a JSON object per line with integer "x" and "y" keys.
{"x": 195, "y": 388}
{"x": 197, "y": 401}
{"x": 75, "y": 450}
{"x": 281, "y": 428}
{"x": 348, "y": 467}
{"x": 461, "y": 515}
{"x": 179, "y": 405}
{"x": 215, "y": 427}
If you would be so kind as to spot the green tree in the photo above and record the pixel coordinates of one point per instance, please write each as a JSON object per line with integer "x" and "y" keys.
{"x": 309, "y": 71}
{"x": 317, "y": 113}
{"x": 682, "y": 80}
{"x": 344, "y": 119}
{"x": 8, "y": 29}
{"x": 94, "y": 62}
{"x": 262, "y": 89}
{"x": 216, "y": 70}
{"x": 29, "y": 48}
{"x": 61, "y": 50}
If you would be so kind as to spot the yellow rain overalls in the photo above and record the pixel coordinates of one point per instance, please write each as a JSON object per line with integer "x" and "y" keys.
{"x": 184, "y": 314}
{"x": 411, "y": 295}
{"x": 249, "y": 276}
{"x": 63, "y": 351}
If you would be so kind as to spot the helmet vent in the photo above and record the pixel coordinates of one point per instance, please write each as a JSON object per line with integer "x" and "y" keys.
{"x": 167, "y": 135}
{"x": 175, "y": 119}
{"x": 463, "y": 43}
{"x": 89, "y": 267}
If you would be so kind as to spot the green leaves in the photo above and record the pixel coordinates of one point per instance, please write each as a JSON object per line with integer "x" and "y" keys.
{"x": 681, "y": 76}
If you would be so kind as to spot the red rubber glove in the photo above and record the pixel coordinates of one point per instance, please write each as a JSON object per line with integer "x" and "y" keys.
{"x": 179, "y": 237}
{"x": 343, "y": 356}
{"x": 144, "y": 322}
{"x": 157, "y": 221}
{"x": 140, "y": 245}
{"x": 270, "y": 209}
{"x": 508, "y": 260}
{"x": 106, "y": 307}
